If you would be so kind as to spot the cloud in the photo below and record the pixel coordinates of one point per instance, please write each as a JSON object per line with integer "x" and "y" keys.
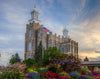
{"x": 81, "y": 19}
{"x": 97, "y": 51}
{"x": 87, "y": 34}
{"x": 12, "y": 30}
{"x": 8, "y": 52}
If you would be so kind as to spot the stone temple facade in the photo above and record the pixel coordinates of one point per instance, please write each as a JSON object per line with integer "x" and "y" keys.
{"x": 34, "y": 34}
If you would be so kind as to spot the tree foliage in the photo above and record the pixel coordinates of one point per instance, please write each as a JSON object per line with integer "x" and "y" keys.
{"x": 29, "y": 62}
{"x": 50, "y": 54}
{"x": 15, "y": 58}
{"x": 38, "y": 52}
{"x": 12, "y": 60}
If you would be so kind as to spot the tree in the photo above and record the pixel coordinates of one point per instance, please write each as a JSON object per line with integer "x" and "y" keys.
{"x": 50, "y": 54}
{"x": 17, "y": 57}
{"x": 38, "y": 52}
{"x": 12, "y": 60}
{"x": 29, "y": 62}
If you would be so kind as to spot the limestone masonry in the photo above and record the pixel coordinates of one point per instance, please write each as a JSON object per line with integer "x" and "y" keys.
{"x": 34, "y": 34}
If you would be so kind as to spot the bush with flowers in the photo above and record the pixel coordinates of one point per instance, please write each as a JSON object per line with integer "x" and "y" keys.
{"x": 42, "y": 70}
{"x": 86, "y": 77}
{"x": 61, "y": 66}
{"x": 63, "y": 73}
{"x": 67, "y": 61}
{"x": 11, "y": 72}
{"x": 84, "y": 71}
{"x": 34, "y": 75}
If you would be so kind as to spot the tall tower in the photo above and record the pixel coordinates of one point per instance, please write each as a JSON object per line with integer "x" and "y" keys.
{"x": 65, "y": 32}
{"x": 33, "y": 34}
{"x": 34, "y": 16}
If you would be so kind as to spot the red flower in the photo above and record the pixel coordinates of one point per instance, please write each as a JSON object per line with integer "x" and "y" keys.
{"x": 50, "y": 74}
{"x": 95, "y": 73}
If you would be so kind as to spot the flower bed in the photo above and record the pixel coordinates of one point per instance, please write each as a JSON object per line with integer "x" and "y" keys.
{"x": 61, "y": 67}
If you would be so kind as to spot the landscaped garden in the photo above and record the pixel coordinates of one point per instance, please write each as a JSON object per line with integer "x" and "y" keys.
{"x": 53, "y": 64}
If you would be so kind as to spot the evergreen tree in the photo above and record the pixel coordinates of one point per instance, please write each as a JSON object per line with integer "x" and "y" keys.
{"x": 17, "y": 57}
{"x": 38, "y": 52}
{"x": 12, "y": 60}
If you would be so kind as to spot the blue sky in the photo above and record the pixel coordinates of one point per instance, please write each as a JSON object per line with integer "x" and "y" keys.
{"x": 81, "y": 17}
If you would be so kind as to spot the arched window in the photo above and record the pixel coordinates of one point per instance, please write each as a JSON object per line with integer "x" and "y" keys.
{"x": 39, "y": 34}
{"x": 30, "y": 46}
{"x": 29, "y": 55}
{"x": 30, "y": 34}
{"x": 45, "y": 44}
{"x": 62, "y": 49}
{"x": 39, "y": 41}
{"x": 57, "y": 46}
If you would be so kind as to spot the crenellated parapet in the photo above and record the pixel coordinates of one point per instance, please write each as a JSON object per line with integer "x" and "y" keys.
{"x": 34, "y": 34}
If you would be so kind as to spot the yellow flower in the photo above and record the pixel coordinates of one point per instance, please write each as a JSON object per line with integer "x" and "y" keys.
{"x": 47, "y": 66}
{"x": 41, "y": 68}
{"x": 30, "y": 70}
{"x": 64, "y": 74}
{"x": 35, "y": 71}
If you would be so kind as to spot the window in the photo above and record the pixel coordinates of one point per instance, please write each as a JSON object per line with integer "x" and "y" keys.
{"x": 73, "y": 50}
{"x": 39, "y": 41}
{"x": 29, "y": 55}
{"x": 29, "y": 33}
{"x": 29, "y": 46}
{"x": 45, "y": 44}
{"x": 53, "y": 44}
{"x": 67, "y": 48}
{"x": 39, "y": 35}
{"x": 57, "y": 45}
{"x": 63, "y": 50}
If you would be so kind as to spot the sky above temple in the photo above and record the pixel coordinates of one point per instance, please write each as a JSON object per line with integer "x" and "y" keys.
{"x": 81, "y": 18}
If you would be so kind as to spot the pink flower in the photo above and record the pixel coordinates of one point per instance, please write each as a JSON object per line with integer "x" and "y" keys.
{"x": 26, "y": 74}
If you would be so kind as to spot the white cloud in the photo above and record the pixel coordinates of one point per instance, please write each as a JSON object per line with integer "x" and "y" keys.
{"x": 16, "y": 16}
{"x": 87, "y": 34}
{"x": 6, "y": 54}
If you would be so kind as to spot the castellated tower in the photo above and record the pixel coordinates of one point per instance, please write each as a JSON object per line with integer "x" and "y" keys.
{"x": 34, "y": 34}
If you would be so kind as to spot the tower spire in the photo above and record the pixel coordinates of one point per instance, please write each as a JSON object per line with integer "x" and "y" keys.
{"x": 34, "y": 15}
{"x": 65, "y": 32}
{"x": 34, "y": 6}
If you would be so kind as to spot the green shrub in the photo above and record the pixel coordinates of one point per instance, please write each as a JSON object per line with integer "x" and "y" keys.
{"x": 12, "y": 60}
{"x": 29, "y": 62}
{"x": 42, "y": 70}
{"x": 50, "y": 54}
{"x": 87, "y": 77}
{"x": 52, "y": 68}
{"x": 84, "y": 70}
{"x": 11, "y": 73}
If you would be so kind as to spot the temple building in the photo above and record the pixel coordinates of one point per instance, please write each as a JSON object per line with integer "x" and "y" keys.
{"x": 35, "y": 32}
